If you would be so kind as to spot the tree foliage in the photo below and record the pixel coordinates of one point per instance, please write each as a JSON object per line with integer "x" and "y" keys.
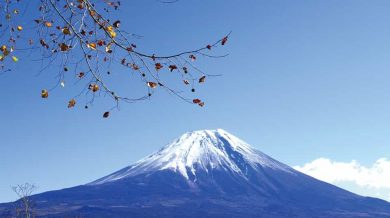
{"x": 84, "y": 39}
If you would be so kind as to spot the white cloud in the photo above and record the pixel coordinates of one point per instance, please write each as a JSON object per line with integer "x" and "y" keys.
{"x": 374, "y": 179}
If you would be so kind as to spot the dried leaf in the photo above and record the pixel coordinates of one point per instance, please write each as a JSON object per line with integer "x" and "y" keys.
{"x": 94, "y": 87}
{"x": 224, "y": 40}
{"x": 196, "y": 101}
{"x": 158, "y": 66}
{"x": 81, "y": 75}
{"x": 192, "y": 57}
{"x": 172, "y": 67}
{"x": 64, "y": 47}
{"x": 151, "y": 84}
{"x": 91, "y": 12}
{"x": 135, "y": 67}
{"x": 3, "y": 48}
{"x": 91, "y": 45}
{"x": 44, "y": 93}
{"x": 106, "y": 114}
{"x": 202, "y": 79}
{"x": 111, "y": 31}
{"x": 48, "y": 24}
{"x": 101, "y": 43}
{"x": 71, "y": 103}
{"x": 66, "y": 31}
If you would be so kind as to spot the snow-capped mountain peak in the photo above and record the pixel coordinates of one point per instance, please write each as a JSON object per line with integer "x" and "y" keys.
{"x": 201, "y": 150}
{"x": 207, "y": 173}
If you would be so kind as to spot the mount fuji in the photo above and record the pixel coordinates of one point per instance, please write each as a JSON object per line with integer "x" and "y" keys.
{"x": 207, "y": 173}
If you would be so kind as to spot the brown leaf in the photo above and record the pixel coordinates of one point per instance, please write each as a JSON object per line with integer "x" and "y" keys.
{"x": 106, "y": 114}
{"x": 158, "y": 66}
{"x": 135, "y": 67}
{"x": 81, "y": 75}
{"x": 100, "y": 43}
{"x": 224, "y": 40}
{"x": 71, "y": 103}
{"x": 151, "y": 84}
{"x": 192, "y": 57}
{"x": 44, "y": 93}
{"x": 202, "y": 79}
{"x": 172, "y": 67}
{"x": 66, "y": 31}
{"x": 91, "y": 12}
{"x": 64, "y": 47}
{"x": 196, "y": 101}
{"x": 94, "y": 87}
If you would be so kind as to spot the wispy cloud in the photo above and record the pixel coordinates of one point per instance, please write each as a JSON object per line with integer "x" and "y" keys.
{"x": 372, "y": 178}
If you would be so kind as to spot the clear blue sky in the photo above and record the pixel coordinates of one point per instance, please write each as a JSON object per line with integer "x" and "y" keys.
{"x": 304, "y": 79}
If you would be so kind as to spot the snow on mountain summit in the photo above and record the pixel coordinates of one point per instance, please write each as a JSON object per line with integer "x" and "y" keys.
{"x": 207, "y": 173}
{"x": 201, "y": 150}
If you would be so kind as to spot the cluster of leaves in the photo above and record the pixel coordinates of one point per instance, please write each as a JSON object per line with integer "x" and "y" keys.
{"x": 88, "y": 43}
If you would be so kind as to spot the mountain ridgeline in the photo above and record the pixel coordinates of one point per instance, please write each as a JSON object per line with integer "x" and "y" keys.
{"x": 208, "y": 173}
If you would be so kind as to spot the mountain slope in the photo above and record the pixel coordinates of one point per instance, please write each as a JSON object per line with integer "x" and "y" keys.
{"x": 208, "y": 173}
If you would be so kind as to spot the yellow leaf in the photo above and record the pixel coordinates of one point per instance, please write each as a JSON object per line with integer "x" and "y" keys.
{"x": 113, "y": 34}
{"x": 108, "y": 48}
{"x": 110, "y": 28}
{"x": 20, "y": 28}
{"x": 15, "y": 59}
{"x": 91, "y": 46}
{"x": 48, "y": 24}
{"x": 3, "y": 48}
{"x": 94, "y": 87}
{"x": 111, "y": 31}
